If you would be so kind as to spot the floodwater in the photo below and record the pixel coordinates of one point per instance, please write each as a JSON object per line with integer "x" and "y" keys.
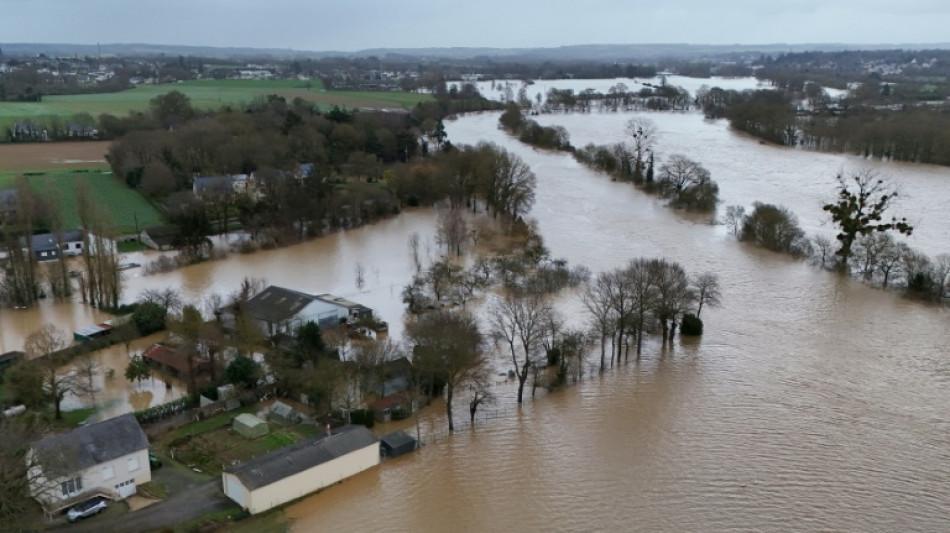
{"x": 811, "y": 403}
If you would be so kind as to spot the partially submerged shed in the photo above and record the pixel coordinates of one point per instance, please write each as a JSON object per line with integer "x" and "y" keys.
{"x": 396, "y": 444}
{"x": 250, "y": 426}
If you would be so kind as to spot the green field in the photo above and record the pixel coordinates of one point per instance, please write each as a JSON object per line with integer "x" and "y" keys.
{"x": 205, "y": 94}
{"x": 128, "y": 208}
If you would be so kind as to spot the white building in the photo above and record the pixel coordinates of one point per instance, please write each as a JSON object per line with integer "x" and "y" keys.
{"x": 109, "y": 458}
{"x": 280, "y": 310}
{"x": 305, "y": 467}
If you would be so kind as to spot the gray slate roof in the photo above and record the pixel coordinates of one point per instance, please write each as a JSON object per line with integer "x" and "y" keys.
{"x": 277, "y": 304}
{"x": 45, "y": 242}
{"x": 304, "y": 455}
{"x": 97, "y": 443}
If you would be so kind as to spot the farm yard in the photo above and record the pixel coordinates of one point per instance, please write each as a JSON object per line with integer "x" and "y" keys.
{"x": 205, "y": 94}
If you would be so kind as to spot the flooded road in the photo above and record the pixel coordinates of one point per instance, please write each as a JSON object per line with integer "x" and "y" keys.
{"x": 812, "y": 402}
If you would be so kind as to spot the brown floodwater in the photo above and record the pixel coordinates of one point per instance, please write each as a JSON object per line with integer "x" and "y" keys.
{"x": 812, "y": 402}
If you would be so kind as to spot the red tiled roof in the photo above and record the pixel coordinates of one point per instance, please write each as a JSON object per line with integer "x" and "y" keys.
{"x": 169, "y": 357}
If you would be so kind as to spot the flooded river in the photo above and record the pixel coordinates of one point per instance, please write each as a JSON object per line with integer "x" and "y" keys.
{"x": 811, "y": 403}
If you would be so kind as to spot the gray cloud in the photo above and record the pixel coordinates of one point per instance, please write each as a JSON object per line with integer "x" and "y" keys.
{"x": 354, "y": 25}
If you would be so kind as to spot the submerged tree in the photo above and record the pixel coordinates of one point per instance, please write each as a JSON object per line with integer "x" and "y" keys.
{"x": 859, "y": 211}
{"x": 448, "y": 346}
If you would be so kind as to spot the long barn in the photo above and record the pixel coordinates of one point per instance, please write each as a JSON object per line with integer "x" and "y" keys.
{"x": 305, "y": 467}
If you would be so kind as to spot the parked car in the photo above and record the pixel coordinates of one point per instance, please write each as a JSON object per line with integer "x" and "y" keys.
{"x": 154, "y": 462}
{"x": 86, "y": 509}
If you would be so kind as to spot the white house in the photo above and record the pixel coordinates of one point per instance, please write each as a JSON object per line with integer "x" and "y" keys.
{"x": 281, "y": 310}
{"x": 106, "y": 458}
{"x": 305, "y": 467}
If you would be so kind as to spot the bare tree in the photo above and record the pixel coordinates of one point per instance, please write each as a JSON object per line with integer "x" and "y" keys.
{"x": 597, "y": 299}
{"x": 44, "y": 346}
{"x": 168, "y": 298}
{"x": 643, "y": 134}
{"x": 673, "y": 295}
{"x": 735, "y": 215}
{"x": 706, "y": 289}
{"x": 372, "y": 357}
{"x": 519, "y": 321}
{"x": 448, "y": 345}
{"x": 414, "y": 251}
{"x": 452, "y": 229}
{"x": 480, "y": 387}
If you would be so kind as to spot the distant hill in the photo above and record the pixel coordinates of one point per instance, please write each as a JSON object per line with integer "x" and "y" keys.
{"x": 592, "y": 52}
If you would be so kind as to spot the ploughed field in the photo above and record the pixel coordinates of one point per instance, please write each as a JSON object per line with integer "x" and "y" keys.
{"x": 29, "y": 157}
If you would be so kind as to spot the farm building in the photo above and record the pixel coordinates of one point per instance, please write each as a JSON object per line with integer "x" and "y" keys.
{"x": 397, "y": 443}
{"x": 305, "y": 467}
{"x": 249, "y": 426}
{"x": 89, "y": 333}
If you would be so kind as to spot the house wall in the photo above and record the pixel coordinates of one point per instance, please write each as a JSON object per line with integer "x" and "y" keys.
{"x": 314, "y": 479}
{"x": 321, "y": 312}
{"x": 98, "y": 477}
{"x": 234, "y": 489}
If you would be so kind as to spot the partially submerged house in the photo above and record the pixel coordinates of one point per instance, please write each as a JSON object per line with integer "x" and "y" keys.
{"x": 172, "y": 361}
{"x": 108, "y": 458}
{"x": 283, "y": 475}
{"x": 49, "y": 246}
{"x": 279, "y": 310}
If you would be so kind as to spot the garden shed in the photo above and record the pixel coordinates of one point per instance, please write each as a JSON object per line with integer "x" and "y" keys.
{"x": 284, "y": 414}
{"x": 396, "y": 444}
{"x": 250, "y": 426}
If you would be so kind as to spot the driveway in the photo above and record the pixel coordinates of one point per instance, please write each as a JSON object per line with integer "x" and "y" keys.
{"x": 190, "y": 496}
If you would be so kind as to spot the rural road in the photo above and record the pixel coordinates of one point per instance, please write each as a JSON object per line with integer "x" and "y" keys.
{"x": 187, "y": 505}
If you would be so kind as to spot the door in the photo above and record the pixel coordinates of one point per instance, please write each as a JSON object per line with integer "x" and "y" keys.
{"x": 125, "y": 489}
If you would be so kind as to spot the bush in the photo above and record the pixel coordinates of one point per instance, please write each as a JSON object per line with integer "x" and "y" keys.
{"x": 363, "y": 417}
{"x": 773, "y": 227}
{"x": 149, "y": 317}
{"x": 692, "y": 325}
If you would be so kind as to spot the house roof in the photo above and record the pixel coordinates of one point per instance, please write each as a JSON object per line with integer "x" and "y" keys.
{"x": 214, "y": 184}
{"x": 45, "y": 242}
{"x": 169, "y": 357}
{"x": 97, "y": 443}
{"x": 277, "y": 304}
{"x": 304, "y": 455}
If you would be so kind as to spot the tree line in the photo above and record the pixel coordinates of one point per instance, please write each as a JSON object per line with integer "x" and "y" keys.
{"x": 865, "y": 245}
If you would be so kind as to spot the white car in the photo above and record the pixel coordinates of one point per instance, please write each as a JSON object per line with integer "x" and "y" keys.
{"x": 86, "y": 508}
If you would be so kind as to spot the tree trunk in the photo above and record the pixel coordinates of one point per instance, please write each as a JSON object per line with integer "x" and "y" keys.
{"x": 449, "y": 392}
{"x": 603, "y": 350}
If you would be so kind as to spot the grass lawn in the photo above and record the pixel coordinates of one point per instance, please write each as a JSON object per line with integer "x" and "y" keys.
{"x": 128, "y": 208}
{"x": 211, "y": 444}
{"x": 72, "y": 419}
{"x": 204, "y": 94}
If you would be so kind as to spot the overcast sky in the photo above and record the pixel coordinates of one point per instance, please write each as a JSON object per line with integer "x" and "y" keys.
{"x": 320, "y": 25}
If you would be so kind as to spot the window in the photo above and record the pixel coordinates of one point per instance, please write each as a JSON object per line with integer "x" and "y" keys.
{"x": 71, "y": 487}
{"x": 108, "y": 473}
{"x": 133, "y": 464}
{"x": 42, "y": 254}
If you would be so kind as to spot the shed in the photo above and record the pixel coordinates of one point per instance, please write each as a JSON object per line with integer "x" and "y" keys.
{"x": 250, "y": 426}
{"x": 283, "y": 414}
{"x": 89, "y": 333}
{"x": 396, "y": 444}
{"x": 309, "y": 465}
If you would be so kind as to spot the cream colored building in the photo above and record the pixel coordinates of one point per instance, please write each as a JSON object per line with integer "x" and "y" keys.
{"x": 305, "y": 467}
{"x": 108, "y": 458}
